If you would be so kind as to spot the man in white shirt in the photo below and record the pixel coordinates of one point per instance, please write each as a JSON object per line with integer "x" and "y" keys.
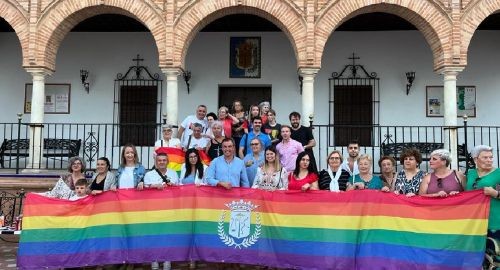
{"x": 160, "y": 176}
{"x": 186, "y": 127}
{"x": 196, "y": 140}
{"x": 350, "y": 164}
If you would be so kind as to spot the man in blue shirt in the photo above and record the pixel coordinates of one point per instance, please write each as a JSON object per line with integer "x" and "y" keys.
{"x": 255, "y": 133}
{"x": 227, "y": 170}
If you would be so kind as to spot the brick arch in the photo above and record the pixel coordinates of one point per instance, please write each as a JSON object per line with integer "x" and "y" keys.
{"x": 60, "y": 18}
{"x": 18, "y": 20}
{"x": 471, "y": 20}
{"x": 428, "y": 18}
{"x": 279, "y": 12}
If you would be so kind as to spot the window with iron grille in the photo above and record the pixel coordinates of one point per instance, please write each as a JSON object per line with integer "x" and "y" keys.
{"x": 354, "y": 105}
{"x": 137, "y": 105}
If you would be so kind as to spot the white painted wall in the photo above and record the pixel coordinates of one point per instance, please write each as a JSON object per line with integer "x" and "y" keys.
{"x": 390, "y": 54}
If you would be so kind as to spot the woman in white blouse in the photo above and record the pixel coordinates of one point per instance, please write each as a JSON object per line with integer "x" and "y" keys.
{"x": 271, "y": 175}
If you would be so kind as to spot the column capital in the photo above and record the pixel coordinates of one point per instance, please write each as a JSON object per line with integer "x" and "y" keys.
{"x": 39, "y": 71}
{"x": 171, "y": 71}
{"x": 308, "y": 71}
{"x": 450, "y": 70}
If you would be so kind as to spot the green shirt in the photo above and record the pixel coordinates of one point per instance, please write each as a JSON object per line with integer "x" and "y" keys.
{"x": 374, "y": 183}
{"x": 490, "y": 180}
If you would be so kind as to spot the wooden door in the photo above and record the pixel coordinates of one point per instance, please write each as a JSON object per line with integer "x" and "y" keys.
{"x": 248, "y": 95}
{"x": 353, "y": 107}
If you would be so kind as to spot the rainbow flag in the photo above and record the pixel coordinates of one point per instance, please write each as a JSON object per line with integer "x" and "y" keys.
{"x": 314, "y": 230}
{"x": 176, "y": 158}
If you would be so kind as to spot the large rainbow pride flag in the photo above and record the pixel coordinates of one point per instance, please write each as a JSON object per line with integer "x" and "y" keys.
{"x": 314, "y": 230}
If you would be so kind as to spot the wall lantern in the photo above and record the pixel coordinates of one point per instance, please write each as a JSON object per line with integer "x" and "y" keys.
{"x": 410, "y": 76}
{"x": 84, "y": 74}
{"x": 186, "y": 74}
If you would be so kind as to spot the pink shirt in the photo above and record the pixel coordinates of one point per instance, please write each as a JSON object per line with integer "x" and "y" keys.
{"x": 288, "y": 153}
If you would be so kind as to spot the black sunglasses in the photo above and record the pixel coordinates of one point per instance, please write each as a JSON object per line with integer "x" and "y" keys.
{"x": 474, "y": 185}
{"x": 440, "y": 182}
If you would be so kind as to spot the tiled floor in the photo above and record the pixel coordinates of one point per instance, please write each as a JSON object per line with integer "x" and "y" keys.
{"x": 8, "y": 251}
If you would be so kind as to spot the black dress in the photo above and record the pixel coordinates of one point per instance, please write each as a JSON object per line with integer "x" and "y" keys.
{"x": 97, "y": 186}
{"x": 215, "y": 149}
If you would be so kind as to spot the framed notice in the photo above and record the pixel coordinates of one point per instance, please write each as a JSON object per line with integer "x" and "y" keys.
{"x": 244, "y": 61}
{"x": 466, "y": 101}
{"x": 57, "y": 98}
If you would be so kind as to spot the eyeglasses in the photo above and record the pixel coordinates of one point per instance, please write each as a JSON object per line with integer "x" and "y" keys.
{"x": 76, "y": 163}
{"x": 440, "y": 182}
{"x": 334, "y": 158}
{"x": 474, "y": 185}
{"x": 253, "y": 144}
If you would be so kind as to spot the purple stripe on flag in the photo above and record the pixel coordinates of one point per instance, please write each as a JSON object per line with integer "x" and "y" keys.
{"x": 229, "y": 255}
{"x": 235, "y": 255}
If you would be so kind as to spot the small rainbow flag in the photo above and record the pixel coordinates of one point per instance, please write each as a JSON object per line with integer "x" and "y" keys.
{"x": 176, "y": 158}
{"x": 364, "y": 229}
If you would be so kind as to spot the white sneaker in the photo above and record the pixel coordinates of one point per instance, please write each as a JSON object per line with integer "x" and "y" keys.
{"x": 155, "y": 266}
{"x": 167, "y": 266}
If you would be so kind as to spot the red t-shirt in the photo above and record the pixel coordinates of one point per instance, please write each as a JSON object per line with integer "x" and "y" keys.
{"x": 227, "y": 125}
{"x": 296, "y": 184}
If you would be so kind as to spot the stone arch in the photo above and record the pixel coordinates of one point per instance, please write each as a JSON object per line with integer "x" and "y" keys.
{"x": 18, "y": 20}
{"x": 279, "y": 12}
{"x": 430, "y": 20}
{"x": 60, "y": 18}
{"x": 471, "y": 20}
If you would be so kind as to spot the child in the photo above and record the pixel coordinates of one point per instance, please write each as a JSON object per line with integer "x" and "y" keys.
{"x": 80, "y": 189}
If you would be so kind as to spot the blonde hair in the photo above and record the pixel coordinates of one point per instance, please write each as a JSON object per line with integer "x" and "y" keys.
{"x": 365, "y": 156}
{"x": 136, "y": 156}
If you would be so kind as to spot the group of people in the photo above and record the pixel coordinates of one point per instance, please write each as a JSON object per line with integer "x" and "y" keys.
{"x": 257, "y": 152}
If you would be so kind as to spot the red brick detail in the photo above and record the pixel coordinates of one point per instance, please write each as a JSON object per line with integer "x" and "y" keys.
{"x": 280, "y": 12}
{"x": 18, "y": 20}
{"x": 432, "y": 21}
{"x": 58, "y": 19}
{"x": 472, "y": 17}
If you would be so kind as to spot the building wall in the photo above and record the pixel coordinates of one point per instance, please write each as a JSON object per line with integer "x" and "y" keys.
{"x": 390, "y": 54}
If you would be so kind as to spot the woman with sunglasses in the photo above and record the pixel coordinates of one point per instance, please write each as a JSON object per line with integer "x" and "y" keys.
{"x": 442, "y": 181}
{"x": 65, "y": 186}
{"x": 255, "y": 159}
{"x": 334, "y": 178}
{"x": 487, "y": 178}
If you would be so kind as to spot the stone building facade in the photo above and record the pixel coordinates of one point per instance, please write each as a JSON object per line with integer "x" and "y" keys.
{"x": 447, "y": 25}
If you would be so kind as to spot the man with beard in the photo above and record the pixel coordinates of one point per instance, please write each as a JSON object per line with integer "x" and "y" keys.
{"x": 304, "y": 136}
{"x": 350, "y": 164}
{"x": 256, "y": 132}
{"x": 227, "y": 170}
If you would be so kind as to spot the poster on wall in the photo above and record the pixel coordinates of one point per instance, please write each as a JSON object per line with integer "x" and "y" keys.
{"x": 57, "y": 98}
{"x": 466, "y": 101}
{"x": 244, "y": 59}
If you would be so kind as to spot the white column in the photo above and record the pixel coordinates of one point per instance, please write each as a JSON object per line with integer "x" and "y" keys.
{"x": 35, "y": 159}
{"x": 450, "y": 112}
{"x": 172, "y": 97}
{"x": 308, "y": 75}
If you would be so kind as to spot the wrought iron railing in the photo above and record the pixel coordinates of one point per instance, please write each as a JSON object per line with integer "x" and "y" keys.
{"x": 100, "y": 139}
{"x": 62, "y": 140}
{"x": 11, "y": 205}
{"x": 467, "y": 137}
